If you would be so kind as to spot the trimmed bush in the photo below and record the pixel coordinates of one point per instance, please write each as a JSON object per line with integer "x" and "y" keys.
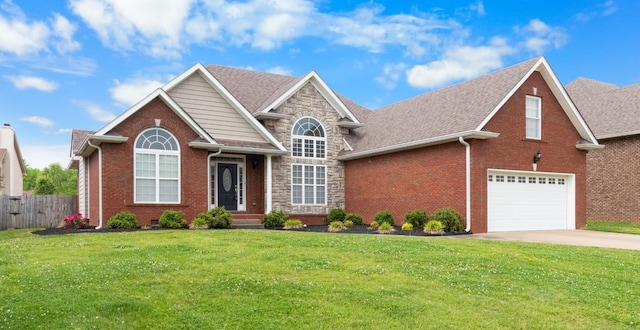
{"x": 374, "y": 225}
{"x": 383, "y": 216}
{"x": 434, "y": 227}
{"x": 198, "y": 223}
{"x": 293, "y": 224}
{"x": 356, "y": 219}
{"x": 172, "y": 219}
{"x": 336, "y": 226}
{"x": 451, "y": 220}
{"x": 336, "y": 215}
{"x": 348, "y": 223}
{"x": 385, "y": 228}
{"x": 417, "y": 218}
{"x": 217, "y": 217}
{"x": 275, "y": 219}
{"x": 123, "y": 219}
{"x": 407, "y": 226}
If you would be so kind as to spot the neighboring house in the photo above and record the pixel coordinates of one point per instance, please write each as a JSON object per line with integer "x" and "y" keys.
{"x": 255, "y": 142}
{"x": 613, "y": 174}
{"x": 12, "y": 167}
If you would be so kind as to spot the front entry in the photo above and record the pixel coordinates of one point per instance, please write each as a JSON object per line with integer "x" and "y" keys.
{"x": 228, "y": 186}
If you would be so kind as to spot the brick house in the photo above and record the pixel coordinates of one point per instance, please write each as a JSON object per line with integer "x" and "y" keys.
{"x": 613, "y": 174}
{"x": 255, "y": 142}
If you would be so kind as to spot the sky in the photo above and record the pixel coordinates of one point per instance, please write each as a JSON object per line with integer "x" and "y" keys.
{"x": 78, "y": 64}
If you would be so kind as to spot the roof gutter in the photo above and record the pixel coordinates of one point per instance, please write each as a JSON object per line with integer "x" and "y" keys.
{"x": 481, "y": 135}
{"x": 467, "y": 148}
{"x": 254, "y": 151}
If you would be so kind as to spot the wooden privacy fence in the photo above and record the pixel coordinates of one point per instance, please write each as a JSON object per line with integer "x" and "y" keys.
{"x": 35, "y": 211}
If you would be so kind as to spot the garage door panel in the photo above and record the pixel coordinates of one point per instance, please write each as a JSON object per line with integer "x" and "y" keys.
{"x": 526, "y": 201}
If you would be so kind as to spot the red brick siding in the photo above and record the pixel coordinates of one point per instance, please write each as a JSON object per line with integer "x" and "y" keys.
{"x": 255, "y": 184}
{"x": 426, "y": 179}
{"x": 434, "y": 177}
{"x": 511, "y": 150}
{"x": 613, "y": 180}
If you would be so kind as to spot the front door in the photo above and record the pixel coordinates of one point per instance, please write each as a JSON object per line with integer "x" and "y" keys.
{"x": 228, "y": 186}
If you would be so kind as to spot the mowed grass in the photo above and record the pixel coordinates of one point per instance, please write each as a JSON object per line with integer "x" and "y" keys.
{"x": 614, "y": 227}
{"x": 293, "y": 280}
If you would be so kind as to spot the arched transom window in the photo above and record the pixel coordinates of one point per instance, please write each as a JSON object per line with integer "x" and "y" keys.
{"x": 157, "y": 167}
{"x": 308, "y": 139}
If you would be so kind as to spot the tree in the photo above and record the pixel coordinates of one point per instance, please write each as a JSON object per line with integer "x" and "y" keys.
{"x": 52, "y": 180}
{"x": 44, "y": 186}
{"x": 29, "y": 180}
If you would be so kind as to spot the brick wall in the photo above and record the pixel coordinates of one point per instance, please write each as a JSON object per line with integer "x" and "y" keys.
{"x": 118, "y": 177}
{"x": 434, "y": 177}
{"x": 613, "y": 180}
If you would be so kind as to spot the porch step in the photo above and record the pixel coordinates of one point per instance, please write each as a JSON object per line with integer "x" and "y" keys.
{"x": 247, "y": 224}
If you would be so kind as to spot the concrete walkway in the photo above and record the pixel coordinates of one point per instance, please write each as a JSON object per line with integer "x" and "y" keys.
{"x": 565, "y": 237}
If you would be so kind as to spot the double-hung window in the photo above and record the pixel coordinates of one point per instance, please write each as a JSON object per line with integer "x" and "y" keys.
{"x": 157, "y": 167}
{"x": 534, "y": 117}
{"x": 308, "y": 181}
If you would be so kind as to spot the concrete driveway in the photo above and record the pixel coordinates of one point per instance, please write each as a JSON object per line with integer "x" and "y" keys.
{"x": 565, "y": 237}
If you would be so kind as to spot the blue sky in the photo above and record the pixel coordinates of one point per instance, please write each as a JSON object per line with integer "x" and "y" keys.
{"x": 79, "y": 63}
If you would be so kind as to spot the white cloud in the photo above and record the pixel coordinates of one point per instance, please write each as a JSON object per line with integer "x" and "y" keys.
{"x": 539, "y": 36}
{"x": 41, "y": 156}
{"x": 391, "y": 73}
{"x": 95, "y": 111}
{"x": 460, "y": 62}
{"x": 478, "y": 8}
{"x": 63, "y": 131}
{"x": 26, "y": 82}
{"x": 279, "y": 70}
{"x": 40, "y": 121}
{"x": 133, "y": 90}
{"x": 21, "y": 36}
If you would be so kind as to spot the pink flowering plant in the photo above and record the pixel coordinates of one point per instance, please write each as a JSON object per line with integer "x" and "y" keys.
{"x": 75, "y": 221}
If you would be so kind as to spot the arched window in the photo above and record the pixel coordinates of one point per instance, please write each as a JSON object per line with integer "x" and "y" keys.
{"x": 157, "y": 167}
{"x": 308, "y": 139}
{"x": 308, "y": 181}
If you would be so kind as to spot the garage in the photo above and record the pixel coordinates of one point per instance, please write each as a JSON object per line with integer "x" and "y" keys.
{"x": 520, "y": 200}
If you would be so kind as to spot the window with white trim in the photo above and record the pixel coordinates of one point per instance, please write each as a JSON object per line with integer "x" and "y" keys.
{"x": 308, "y": 139}
{"x": 156, "y": 167}
{"x": 534, "y": 117}
{"x": 308, "y": 184}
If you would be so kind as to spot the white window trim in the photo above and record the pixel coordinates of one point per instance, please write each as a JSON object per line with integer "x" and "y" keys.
{"x": 156, "y": 154}
{"x": 311, "y": 138}
{"x": 538, "y": 119}
{"x": 313, "y": 186}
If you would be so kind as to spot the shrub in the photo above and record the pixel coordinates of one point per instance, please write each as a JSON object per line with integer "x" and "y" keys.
{"x": 123, "y": 219}
{"x": 348, "y": 223}
{"x": 172, "y": 219}
{"x": 336, "y": 226}
{"x": 374, "y": 225}
{"x": 356, "y": 219}
{"x": 275, "y": 219}
{"x": 293, "y": 224}
{"x": 383, "y": 216}
{"x": 407, "y": 226}
{"x": 75, "y": 221}
{"x": 385, "y": 228}
{"x": 450, "y": 219}
{"x": 217, "y": 217}
{"x": 198, "y": 223}
{"x": 434, "y": 227}
{"x": 417, "y": 218}
{"x": 336, "y": 215}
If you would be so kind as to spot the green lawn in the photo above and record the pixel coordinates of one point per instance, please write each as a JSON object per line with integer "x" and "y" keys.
{"x": 614, "y": 227}
{"x": 273, "y": 280}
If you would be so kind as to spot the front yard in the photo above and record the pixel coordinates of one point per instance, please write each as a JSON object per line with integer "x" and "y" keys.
{"x": 614, "y": 227}
{"x": 275, "y": 279}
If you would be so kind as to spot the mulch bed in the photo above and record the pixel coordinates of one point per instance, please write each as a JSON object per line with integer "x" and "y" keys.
{"x": 315, "y": 228}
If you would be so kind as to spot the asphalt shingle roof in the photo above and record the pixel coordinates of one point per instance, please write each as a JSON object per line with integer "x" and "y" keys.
{"x": 609, "y": 110}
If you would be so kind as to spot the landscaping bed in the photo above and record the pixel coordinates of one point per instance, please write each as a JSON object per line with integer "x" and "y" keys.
{"x": 364, "y": 229}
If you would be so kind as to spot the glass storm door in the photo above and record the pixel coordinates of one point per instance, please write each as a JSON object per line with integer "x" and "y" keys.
{"x": 228, "y": 186}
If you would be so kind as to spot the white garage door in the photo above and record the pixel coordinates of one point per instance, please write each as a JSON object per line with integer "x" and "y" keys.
{"x": 529, "y": 201}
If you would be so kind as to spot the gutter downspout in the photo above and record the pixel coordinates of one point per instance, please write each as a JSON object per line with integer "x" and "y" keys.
{"x": 467, "y": 180}
{"x": 99, "y": 182}
{"x": 269, "y": 191}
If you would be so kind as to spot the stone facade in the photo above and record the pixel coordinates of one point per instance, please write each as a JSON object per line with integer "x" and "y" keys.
{"x": 307, "y": 102}
{"x": 613, "y": 178}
